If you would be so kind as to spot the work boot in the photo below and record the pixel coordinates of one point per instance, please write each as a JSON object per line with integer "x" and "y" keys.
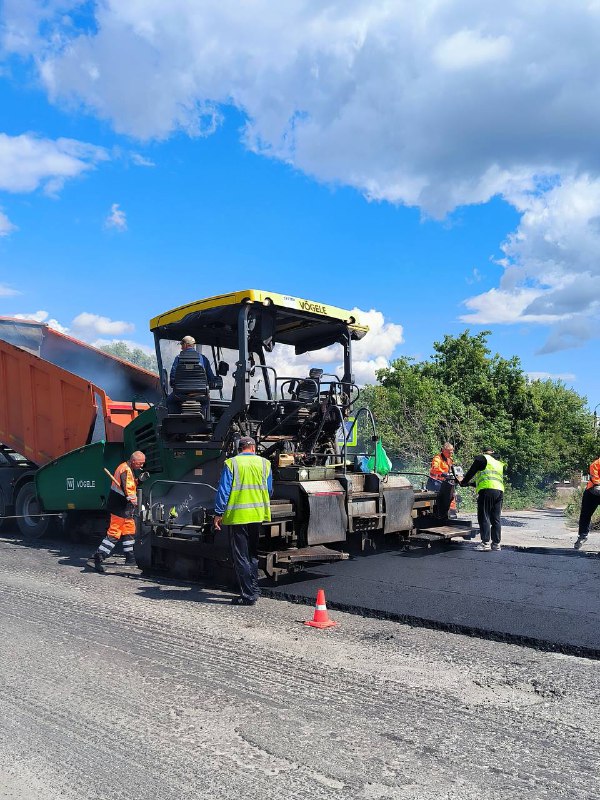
{"x": 581, "y": 540}
{"x": 130, "y": 559}
{"x": 484, "y": 546}
{"x": 98, "y": 563}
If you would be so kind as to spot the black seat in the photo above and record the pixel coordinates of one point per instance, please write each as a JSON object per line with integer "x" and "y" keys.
{"x": 190, "y": 384}
{"x": 307, "y": 391}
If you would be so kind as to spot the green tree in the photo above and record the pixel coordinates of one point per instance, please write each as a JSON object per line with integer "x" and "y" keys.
{"x": 472, "y": 397}
{"x": 134, "y": 355}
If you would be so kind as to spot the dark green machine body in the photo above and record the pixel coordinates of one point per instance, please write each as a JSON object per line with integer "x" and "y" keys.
{"x": 77, "y": 481}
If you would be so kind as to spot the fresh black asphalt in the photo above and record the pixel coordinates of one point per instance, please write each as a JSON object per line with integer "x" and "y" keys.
{"x": 549, "y": 599}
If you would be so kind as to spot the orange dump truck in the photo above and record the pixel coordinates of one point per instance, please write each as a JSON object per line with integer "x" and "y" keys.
{"x": 56, "y": 395}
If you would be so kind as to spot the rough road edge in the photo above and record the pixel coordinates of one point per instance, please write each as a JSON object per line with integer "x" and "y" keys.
{"x": 462, "y": 630}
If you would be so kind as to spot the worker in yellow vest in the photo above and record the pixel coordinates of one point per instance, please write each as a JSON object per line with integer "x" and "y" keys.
{"x": 243, "y": 504}
{"x": 489, "y": 483}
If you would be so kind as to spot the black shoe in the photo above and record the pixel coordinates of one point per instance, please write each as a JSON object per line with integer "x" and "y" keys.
{"x": 98, "y": 563}
{"x": 241, "y": 601}
{"x": 581, "y": 540}
{"x": 130, "y": 560}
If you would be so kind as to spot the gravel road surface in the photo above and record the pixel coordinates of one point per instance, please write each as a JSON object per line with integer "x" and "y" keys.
{"x": 121, "y": 687}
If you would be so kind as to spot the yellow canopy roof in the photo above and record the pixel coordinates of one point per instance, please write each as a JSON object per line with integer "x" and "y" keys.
{"x": 295, "y": 304}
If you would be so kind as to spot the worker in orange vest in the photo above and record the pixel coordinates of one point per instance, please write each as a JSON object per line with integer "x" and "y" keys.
{"x": 122, "y": 502}
{"x": 440, "y": 471}
{"x": 589, "y": 503}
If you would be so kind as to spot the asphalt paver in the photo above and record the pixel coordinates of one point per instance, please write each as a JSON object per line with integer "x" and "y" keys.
{"x": 548, "y": 599}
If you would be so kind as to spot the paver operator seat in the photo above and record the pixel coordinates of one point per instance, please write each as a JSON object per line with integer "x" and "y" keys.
{"x": 190, "y": 384}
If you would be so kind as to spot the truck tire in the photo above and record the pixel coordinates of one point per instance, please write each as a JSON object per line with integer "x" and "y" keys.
{"x": 27, "y": 506}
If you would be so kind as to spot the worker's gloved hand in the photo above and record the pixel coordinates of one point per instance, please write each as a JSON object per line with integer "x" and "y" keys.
{"x": 130, "y": 509}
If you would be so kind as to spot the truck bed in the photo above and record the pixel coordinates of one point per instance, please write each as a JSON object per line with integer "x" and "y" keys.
{"x": 55, "y": 392}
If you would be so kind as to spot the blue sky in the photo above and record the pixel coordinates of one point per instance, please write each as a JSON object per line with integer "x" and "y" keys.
{"x": 436, "y": 168}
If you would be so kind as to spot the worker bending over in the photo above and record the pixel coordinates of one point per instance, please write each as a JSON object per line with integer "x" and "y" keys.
{"x": 440, "y": 471}
{"x": 243, "y": 504}
{"x": 590, "y": 501}
{"x": 122, "y": 502}
{"x": 489, "y": 483}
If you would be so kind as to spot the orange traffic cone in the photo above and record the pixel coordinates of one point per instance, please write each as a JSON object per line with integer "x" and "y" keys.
{"x": 321, "y": 617}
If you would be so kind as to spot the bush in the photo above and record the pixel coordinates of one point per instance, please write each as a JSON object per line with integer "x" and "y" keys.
{"x": 574, "y": 506}
{"x": 514, "y": 499}
{"x": 532, "y": 497}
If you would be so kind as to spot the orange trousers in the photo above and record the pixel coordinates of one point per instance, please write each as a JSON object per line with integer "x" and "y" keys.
{"x": 120, "y": 526}
{"x": 120, "y": 529}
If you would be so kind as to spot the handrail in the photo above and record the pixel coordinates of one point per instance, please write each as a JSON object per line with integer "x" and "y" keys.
{"x": 267, "y": 367}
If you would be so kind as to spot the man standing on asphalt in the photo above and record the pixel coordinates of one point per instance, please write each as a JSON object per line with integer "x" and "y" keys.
{"x": 589, "y": 503}
{"x": 122, "y": 502}
{"x": 243, "y": 504}
{"x": 489, "y": 483}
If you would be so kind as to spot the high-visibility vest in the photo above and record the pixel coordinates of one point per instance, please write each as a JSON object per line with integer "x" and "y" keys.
{"x": 249, "y": 497}
{"x": 123, "y": 491}
{"x": 440, "y": 465}
{"x": 491, "y": 476}
{"x": 129, "y": 484}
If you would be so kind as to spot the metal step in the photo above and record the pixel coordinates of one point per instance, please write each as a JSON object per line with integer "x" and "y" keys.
{"x": 443, "y": 532}
{"x": 316, "y": 553}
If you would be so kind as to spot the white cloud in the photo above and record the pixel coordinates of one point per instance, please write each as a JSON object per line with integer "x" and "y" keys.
{"x": 499, "y": 306}
{"x": 19, "y": 33}
{"x": 91, "y": 326}
{"x": 141, "y": 161}
{"x": 468, "y": 49}
{"x": 28, "y": 162}
{"x": 369, "y": 354}
{"x": 6, "y": 226}
{"x": 117, "y": 218}
{"x": 8, "y": 291}
{"x": 567, "y": 377}
{"x": 35, "y": 316}
{"x": 551, "y": 266}
{"x": 430, "y": 104}
{"x": 42, "y": 316}
{"x": 132, "y": 345}
{"x": 85, "y": 326}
